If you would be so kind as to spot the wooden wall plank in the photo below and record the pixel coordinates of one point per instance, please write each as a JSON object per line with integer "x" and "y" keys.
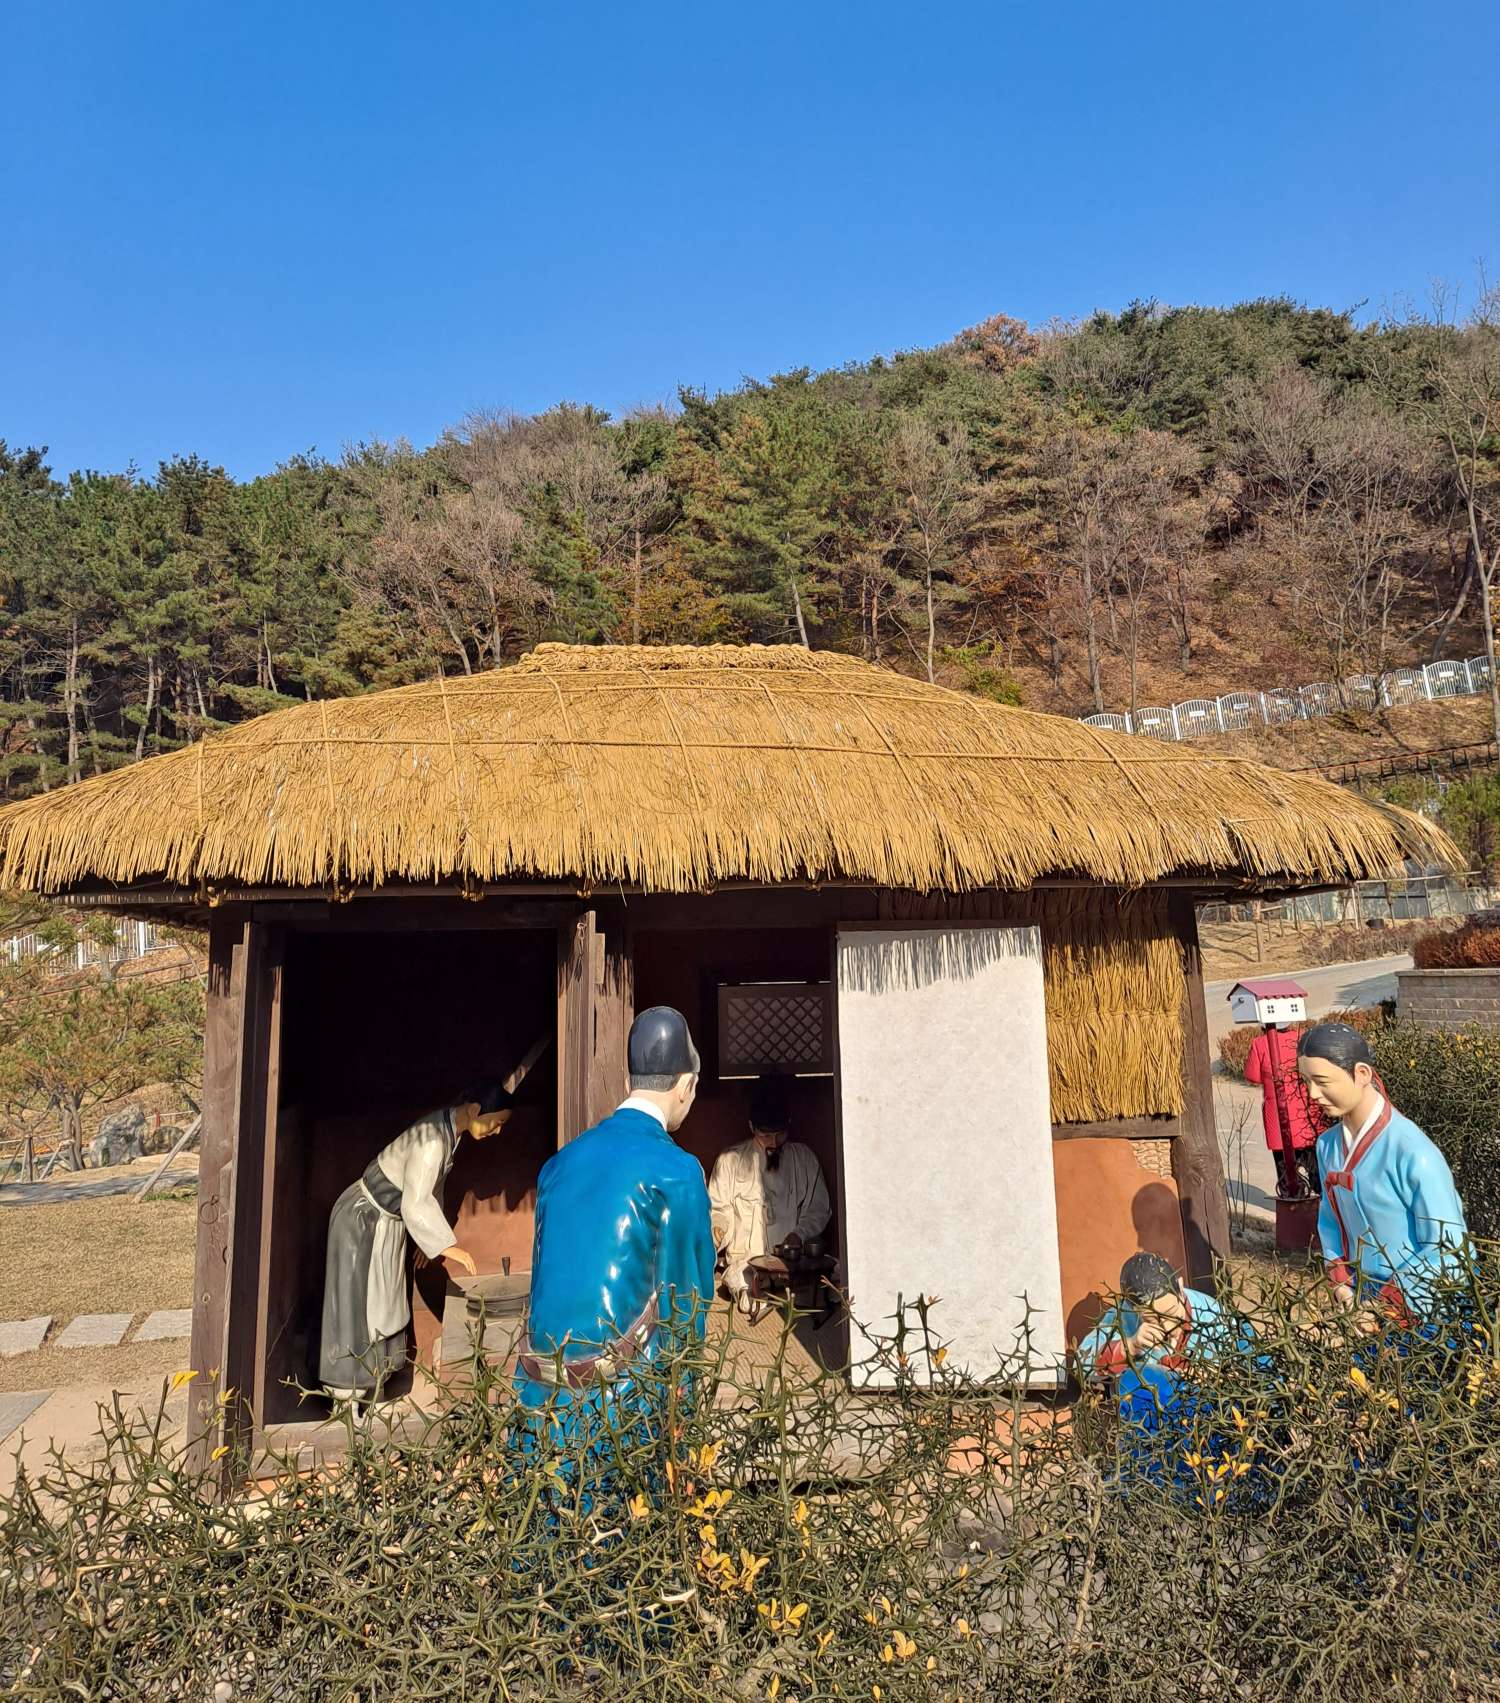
{"x": 613, "y": 1000}
{"x": 221, "y": 1043}
{"x": 1197, "y": 1164}
{"x": 575, "y": 1025}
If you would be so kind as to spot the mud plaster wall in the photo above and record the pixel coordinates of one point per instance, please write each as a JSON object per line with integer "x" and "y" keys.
{"x": 1112, "y": 1202}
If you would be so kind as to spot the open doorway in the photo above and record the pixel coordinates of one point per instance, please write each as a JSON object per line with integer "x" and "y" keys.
{"x": 700, "y": 972}
{"x": 378, "y": 1028}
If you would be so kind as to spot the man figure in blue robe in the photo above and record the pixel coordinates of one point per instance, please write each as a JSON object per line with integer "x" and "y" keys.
{"x": 622, "y": 1264}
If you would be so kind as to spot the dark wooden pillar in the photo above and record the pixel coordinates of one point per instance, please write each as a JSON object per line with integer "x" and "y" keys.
{"x": 240, "y": 1053}
{"x": 595, "y": 1008}
{"x": 614, "y": 1012}
{"x": 1197, "y": 1164}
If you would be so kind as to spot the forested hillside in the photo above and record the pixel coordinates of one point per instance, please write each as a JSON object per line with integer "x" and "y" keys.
{"x": 1142, "y": 507}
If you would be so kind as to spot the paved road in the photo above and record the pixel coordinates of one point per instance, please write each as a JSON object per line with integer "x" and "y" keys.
{"x": 1249, "y": 1164}
{"x": 50, "y": 1193}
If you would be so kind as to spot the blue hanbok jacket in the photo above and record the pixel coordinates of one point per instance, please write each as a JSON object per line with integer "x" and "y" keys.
{"x": 1391, "y": 1218}
{"x": 1210, "y": 1332}
{"x": 621, "y": 1213}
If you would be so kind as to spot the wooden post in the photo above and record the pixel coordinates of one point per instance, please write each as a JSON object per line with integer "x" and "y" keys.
{"x": 1197, "y": 1164}
{"x": 595, "y": 1007}
{"x": 575, "y": 1025}
{"x": 614, "y": 1012}
{"x": 239, "y": 1044}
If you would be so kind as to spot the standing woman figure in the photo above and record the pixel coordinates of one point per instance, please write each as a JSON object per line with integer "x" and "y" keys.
{"x": 366, "y": 1308}
{"x": 1390, "y": 1220}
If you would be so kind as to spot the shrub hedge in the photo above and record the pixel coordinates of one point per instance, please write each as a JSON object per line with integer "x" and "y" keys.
{"x": 1449, "y": 1085}
{"x": 1475, "y": 946}
{"x": 1318, "y": 1517}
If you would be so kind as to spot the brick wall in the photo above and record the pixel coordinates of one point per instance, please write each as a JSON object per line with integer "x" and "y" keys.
{"x": 1449, "y": 999}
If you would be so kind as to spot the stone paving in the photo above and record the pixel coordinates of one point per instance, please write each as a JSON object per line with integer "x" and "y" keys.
{"x": 16, "y": 1409}
{"x": 165, "y": 1326}
{"x": 20, "y": 1336}
{"x": 94, "y": 1330}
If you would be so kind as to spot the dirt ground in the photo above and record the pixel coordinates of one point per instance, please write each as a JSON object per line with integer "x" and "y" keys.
{"x": 96, "y": 1256}
{"x": 125, "y": 1367}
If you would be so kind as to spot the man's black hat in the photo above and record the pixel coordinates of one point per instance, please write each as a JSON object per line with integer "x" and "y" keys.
{"x": 660, "y": 1044}
{"x": 768, "y": 1103}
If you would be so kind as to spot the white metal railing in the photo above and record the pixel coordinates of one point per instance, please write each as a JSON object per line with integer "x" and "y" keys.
{"x": 1237, "y": 712}
{"x": 1415, "y": 899}
{"x": 132, "y": 940}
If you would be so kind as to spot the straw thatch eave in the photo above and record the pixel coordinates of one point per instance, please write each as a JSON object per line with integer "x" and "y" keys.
{"x": 677, "y": 769}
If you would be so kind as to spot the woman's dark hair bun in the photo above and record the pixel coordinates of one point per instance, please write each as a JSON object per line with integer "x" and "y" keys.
{"x": 1338, "y": 1043}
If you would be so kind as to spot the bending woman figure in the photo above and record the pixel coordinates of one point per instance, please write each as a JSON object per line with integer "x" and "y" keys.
{"x": 1390, "y": 1219}
{"x": 366, "y": 1308}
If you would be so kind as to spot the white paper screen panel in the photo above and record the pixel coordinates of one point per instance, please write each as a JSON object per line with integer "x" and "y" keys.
{"x": 947, "y": 1139}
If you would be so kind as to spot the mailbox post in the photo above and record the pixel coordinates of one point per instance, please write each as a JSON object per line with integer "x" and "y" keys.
{"x": 1276, "y": 1003}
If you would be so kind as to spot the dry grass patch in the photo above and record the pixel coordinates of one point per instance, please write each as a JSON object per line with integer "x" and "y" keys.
{"x": 131, "y": 1365}
{"x": 97, "y": 1256}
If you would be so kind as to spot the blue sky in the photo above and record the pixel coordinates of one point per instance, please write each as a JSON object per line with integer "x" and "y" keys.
{"x": 250, "y": 229}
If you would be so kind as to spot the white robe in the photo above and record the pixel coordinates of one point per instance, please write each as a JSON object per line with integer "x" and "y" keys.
{"x": 755, "y": 1209}
{"x": 417, "y": 1161}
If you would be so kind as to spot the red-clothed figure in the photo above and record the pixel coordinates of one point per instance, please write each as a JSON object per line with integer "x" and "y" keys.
{"x": 1274, "y": 1052}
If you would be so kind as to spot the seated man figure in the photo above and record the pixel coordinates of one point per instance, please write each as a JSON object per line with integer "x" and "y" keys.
{"x": 767, "y": 1192}
{"x": 1161, "y": 1322}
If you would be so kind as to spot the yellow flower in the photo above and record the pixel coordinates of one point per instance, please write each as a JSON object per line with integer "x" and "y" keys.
{"x": 1359, "y": 1380}
{"x": 181, "y": 1378}
{"x": 220, "y": 1452}
{"x": 751, "y": 1566}
{"x": 939, "y": 1356}
{"x": 824, "y": 1640}
{"x": 875, "y": 1692}
{"x": 706, "y": 1457}
{"x": 870, "y": 1618}
{"x": 885, "y": 1603}
{"x": 796, "y": 1615}
{"x": 887, "y": 1654}
{"x": 963, "y": 1571}
{"x": 964, "y": 1629}
{"x": 906, "y": 1647}
{"x": 799, "y": 1513}
{"x": 638, "y": 1506}
{"x": 931, "y": 1663}
{"x": 775, "y": 1686}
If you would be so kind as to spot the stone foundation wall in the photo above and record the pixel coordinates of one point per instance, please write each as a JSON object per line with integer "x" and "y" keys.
{"x": 1449, "y": 999}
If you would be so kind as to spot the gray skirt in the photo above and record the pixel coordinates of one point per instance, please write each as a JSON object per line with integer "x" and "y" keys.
{"x": 351, "y": 1356}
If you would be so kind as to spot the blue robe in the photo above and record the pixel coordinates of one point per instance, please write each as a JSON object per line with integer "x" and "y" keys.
{"x": 1397, "y": 1222}
{"x": 621, "y": 1213}
{"x": 1211, "y": 1332}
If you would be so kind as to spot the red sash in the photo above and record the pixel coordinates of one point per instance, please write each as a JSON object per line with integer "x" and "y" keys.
{"x": 1344, "y": 1179}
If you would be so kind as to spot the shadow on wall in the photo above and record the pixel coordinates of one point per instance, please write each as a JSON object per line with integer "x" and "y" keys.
{"x": 1157, "y": 1225}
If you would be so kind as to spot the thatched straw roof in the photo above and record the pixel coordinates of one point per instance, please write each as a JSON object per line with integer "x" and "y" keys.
{"x": 676, "y": 768}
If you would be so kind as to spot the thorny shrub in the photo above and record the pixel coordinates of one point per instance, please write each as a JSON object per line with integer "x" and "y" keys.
{"x": 1318, "y": 1516}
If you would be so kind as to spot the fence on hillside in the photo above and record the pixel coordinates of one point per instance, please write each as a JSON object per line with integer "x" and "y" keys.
{"x": 132, "y": 940}
{"x": 1415, "y": 899}
{"x": 1238, "y": 712}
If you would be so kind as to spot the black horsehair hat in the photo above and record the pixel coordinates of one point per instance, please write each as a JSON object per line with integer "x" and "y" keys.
{"x": 661, "y": 1046}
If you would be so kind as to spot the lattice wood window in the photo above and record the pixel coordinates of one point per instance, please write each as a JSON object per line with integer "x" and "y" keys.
{"x": 776, "y": 1026}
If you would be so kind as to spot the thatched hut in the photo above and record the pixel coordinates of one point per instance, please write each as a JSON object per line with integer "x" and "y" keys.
{"x": 828, "y": 867}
